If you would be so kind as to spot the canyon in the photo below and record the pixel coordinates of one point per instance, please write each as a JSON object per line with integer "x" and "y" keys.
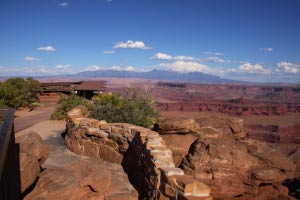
{"x": 223, "y": 98}
{"x": 270, "y": 111}
{"x": 183, "y": 159}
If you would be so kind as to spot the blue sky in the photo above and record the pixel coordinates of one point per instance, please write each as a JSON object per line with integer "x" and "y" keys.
{"x": 255, "y": 40}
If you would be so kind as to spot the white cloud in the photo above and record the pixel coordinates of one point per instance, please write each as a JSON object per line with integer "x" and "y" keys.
{"x": 63, "y": 4}
{"x": 47, "y": 48}
{"x": 31, "y": 59}
{"x": 251, "y": 68}
{"x": 129, "y": 68}
{"x": 108, "y": 1}
{"x": 162, "y": 56}
{"x": 109, "y": 52}
{"x": 116, "y": 68}
{"x": 214, "y": 53}
{"x": 188, "y": 66}
{"x": 63, "y": 67}
{"x": 266, "y": 49}
{"x": 131, "y": 45}
{"x": 186, "y": 58}
{"x": 288, "y": 67}
{"x": 125, "y": 68}
{"x": 93, "y": 68}
{"x": 215, "y": 59}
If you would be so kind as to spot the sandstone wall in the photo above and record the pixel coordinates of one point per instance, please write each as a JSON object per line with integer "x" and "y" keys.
{"x": 230, "y": 108}
{"x": 111, "y": 141}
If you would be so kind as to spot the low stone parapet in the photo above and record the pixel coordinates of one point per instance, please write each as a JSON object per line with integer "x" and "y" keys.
{"x": 110, "y": 142}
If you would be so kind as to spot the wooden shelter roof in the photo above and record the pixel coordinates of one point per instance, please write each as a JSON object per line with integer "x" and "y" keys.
{"x": 91, "y": 85}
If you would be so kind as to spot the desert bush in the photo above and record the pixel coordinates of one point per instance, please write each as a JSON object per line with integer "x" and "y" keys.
{"x": 65, "y": 104}
{"x": 2, "y": 104}
{"x": 134, "y": 108}
{"x": 19, "y": 92}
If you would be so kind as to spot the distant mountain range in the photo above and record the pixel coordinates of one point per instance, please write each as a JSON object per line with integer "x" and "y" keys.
{"x": 196, "y": 77}
{"x": 162, "y": 75}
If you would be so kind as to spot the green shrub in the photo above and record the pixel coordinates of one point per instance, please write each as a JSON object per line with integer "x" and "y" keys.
{"x": 65, "y": 104}
{"x": 19, "y": 92}
{"x": 134, "y": 108}
{"x": 2, "y": 104}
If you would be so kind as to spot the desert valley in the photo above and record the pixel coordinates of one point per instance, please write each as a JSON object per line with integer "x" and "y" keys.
{"x": 150, "y": 100}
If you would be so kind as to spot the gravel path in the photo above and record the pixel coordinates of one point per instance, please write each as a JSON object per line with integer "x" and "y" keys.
{"x": 51, "y": 132}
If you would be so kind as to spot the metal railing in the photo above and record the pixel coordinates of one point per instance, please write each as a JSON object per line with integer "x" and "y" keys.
{"x": 10, "y": 184}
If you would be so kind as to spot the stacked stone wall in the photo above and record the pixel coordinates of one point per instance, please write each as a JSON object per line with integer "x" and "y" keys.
{"x": 110, "y": 142}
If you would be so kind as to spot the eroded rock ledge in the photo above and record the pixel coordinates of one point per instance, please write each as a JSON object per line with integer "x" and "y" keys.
{"x": 86, "y": 179}
{"x": 113, "y": 142}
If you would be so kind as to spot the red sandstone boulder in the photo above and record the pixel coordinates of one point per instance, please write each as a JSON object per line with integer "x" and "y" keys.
{"x": 168, "y": 126}
{"x": 215, "y": 126}
{"x": 32, "y": 154}
{"x": 179, "y": 145}
{"x": 86, "y": 179}
{"x": 211, "y": 127}
{"x": 29, "y": 170}
{"x": 237, "y": 169}
{"x": 31, "y": 143}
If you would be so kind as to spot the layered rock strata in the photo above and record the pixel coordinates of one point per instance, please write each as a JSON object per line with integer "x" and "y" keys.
{"x": 230, "y": 108}
{"x": 113, "y": 141}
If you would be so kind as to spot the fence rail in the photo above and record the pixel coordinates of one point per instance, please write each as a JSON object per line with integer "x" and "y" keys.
{"x": 10, "y": 184}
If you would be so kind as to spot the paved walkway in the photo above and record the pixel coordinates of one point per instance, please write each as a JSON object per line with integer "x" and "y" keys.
{"x": 27, "y": 119}
{"x": 51, "y": 132}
